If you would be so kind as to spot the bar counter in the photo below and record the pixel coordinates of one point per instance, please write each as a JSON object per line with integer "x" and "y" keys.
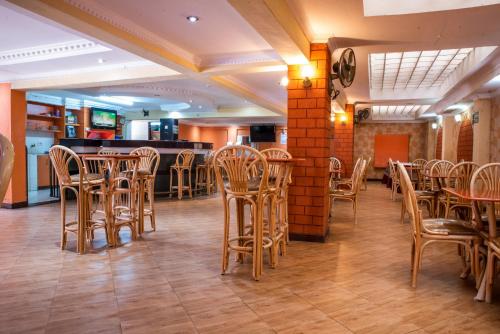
{"x": 168, "y": 152}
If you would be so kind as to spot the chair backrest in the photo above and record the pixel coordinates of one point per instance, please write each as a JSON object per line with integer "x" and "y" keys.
{"x": 442, "y": 168}
{"x": 237, "y": 164}
{"x": 335, "y": 164}
{"x": 61, "y": 157}
{"x": 185, "y": 158}
{"x": 392, "y": 169}
{"x": 419, "y": 163}
{"x": 6, "y": 164}
{"x": 150, "y": 158}
{"x": 461, "y": 175}
{"x": 486, "y": 178}
{"x": 275, "y": 153}
{"x": 410, "y": 200}
{"x": 358, "y": 175}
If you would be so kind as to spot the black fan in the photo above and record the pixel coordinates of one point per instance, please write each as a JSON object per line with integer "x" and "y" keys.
{"x": 362, "y": 115}
{"x": 344, "y": 70}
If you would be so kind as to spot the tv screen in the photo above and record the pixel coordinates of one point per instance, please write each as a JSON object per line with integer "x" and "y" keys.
{"x": 103, "y": 119}
{"x": 262, "y": 133}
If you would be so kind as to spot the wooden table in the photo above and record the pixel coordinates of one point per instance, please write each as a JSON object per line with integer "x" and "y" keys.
{"x": 489, "y": 198}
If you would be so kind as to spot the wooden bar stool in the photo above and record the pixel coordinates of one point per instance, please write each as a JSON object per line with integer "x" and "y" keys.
{"x": 183, "y": 163}
{"x": 205, "y": 175}
{"x": 277, "y": 201}
{"x": 80, "y": 185}
{"x": 242, "y": 174}
{"x": 146, "y": 174}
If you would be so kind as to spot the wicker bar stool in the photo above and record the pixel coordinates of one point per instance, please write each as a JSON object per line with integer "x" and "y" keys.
{"x": 242, "y": 174}
{"x": 279, "y": 179}
{"x": 183, "y": 163}
{"x": 146, "y": 175}
{"x": 205, "y": 177}
{"x": 80, "y": 185}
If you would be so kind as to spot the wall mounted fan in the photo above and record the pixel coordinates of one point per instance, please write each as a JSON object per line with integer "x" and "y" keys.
{"x": 362, "y": 115}
{"x": 344, "y": 70}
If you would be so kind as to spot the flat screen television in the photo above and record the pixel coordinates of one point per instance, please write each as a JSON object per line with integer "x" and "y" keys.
{"x": 262, "y": 133}
{"x": 103, "y": 119}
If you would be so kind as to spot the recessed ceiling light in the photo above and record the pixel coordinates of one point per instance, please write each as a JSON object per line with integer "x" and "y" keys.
{"x": 192, "y": 18}
{"x": 100, "y": 60}
{"x": 199, "y": 107}
{"x": 190, "y": 101}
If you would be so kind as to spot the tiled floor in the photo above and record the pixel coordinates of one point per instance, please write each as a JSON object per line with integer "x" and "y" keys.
{"x": 169, "y": 282}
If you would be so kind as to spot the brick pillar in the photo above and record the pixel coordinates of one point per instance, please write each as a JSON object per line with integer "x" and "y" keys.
{"x": 308, "y": 130}
{"x": 343, "y": 139}
{"x": 13, "y": 126}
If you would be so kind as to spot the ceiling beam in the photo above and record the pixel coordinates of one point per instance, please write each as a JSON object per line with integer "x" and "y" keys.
{"x": 248, "y": 95}
{"x": 276, "y": 23}
{"x": 97, "y": 78}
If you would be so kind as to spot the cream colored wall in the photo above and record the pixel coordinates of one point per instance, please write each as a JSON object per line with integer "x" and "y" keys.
{"x": 481, "y": 131}
{"x": 495, "y": 130}
{"x": 451, "y": 130}
{"x": 431, "y": 142}
{"x": 364, "y": 139}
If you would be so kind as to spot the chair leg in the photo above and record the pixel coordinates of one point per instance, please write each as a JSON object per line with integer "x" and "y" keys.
{"x": 189, "y": 183}
{"x": 180, "y": 183}
{"x": 63, "y": 219}
{"x": 403, "y": 208}
{"x": 171, "y": 177}
{"x": 416, "y": 263}
{"x": 490, "y": 273}
{"x": 355, "y": 207}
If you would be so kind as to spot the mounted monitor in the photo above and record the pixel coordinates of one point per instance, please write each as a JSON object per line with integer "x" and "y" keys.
{"x": 262, "y": 133}
{"x": 102, "y": 119}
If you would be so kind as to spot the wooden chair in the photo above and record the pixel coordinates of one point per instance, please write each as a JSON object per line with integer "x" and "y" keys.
{"x": 80, "y": 185}
{"x": 205, "y": 177}
{"x": 461, "y": 175}
{"x": 242, "y": 175}
{"x": 350, "y": 194}
{"x": 183, "y": 163}
{"x": 365, "y": 182}
{"x": 335, "y": 168}
{"x": 394, "y": 179}
{"x": 427, "y": 182}
{"x": 346, "y": 182}
{"x": 441, "y": 167}
{"x": 418, "y": 166}
{"x": 147, "y": 169}
{"x": 428, "y": 231}
{"x": 107, "y": 151}
{"x": 487, "y": 179}
{"x": 6, "y": 164}
{"x": 279, "y": 179}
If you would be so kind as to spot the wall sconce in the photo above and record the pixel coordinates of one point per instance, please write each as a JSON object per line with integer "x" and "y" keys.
{"x": 307, "y": 72}
{"x": 284, "y": 81}
{"x": 458, "y": 118}
{"x": 343, "y": 119}
{"x": 434, "y": 126}
{"x": 332, "y": 117}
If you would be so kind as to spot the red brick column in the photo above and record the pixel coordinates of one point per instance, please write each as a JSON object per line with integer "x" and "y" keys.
{"x": 343, "y": 139}
{"x": 308, "y": 132}
{"x": 465, "y": 141}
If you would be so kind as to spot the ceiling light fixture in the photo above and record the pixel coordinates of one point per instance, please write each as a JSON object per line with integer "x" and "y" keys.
{"x": 434, "y": 126}
{"x": 100, "y": 61}
{"x": 458, "y": 118}
{"x": 199, "y": 107}
{"x": 192, "y": 18}
{"x": 284, "y": 81}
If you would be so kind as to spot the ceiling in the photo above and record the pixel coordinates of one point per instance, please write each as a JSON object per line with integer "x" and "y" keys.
{"x": 234, "y": 56}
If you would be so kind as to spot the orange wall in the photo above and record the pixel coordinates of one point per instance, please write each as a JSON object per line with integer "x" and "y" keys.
{"x": 220, "y": 135}
{"x": 13, "y": 126}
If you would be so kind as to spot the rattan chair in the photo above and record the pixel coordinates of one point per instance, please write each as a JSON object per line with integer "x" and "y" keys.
{"x": 183, "y": 163}
{"x": 487, "y": 179}
{"x": 350, "y": 194}
{"x": 427, "y": 182}
{"x": 345, "y": 183}
{"x": 418, "y": 167}
{"x": 394, "y": 179}
{"x": 279, "y": 179}
{"x": 335, "y": 169}
{"x": 205, "y": 177}
{"x": 365, "y": 181}
{"x": 428, "y": 231}
{"x": 147, "y": 169}
{"x": 6, "y": 164}
{"x": 459, "y": 177}
{"x": 80, "y": 185}
{"x": 107, "y": 151}
{"x": 242, "y": 175}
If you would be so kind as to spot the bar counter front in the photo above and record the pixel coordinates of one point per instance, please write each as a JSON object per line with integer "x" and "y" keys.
{"x": 168, "y": 153}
